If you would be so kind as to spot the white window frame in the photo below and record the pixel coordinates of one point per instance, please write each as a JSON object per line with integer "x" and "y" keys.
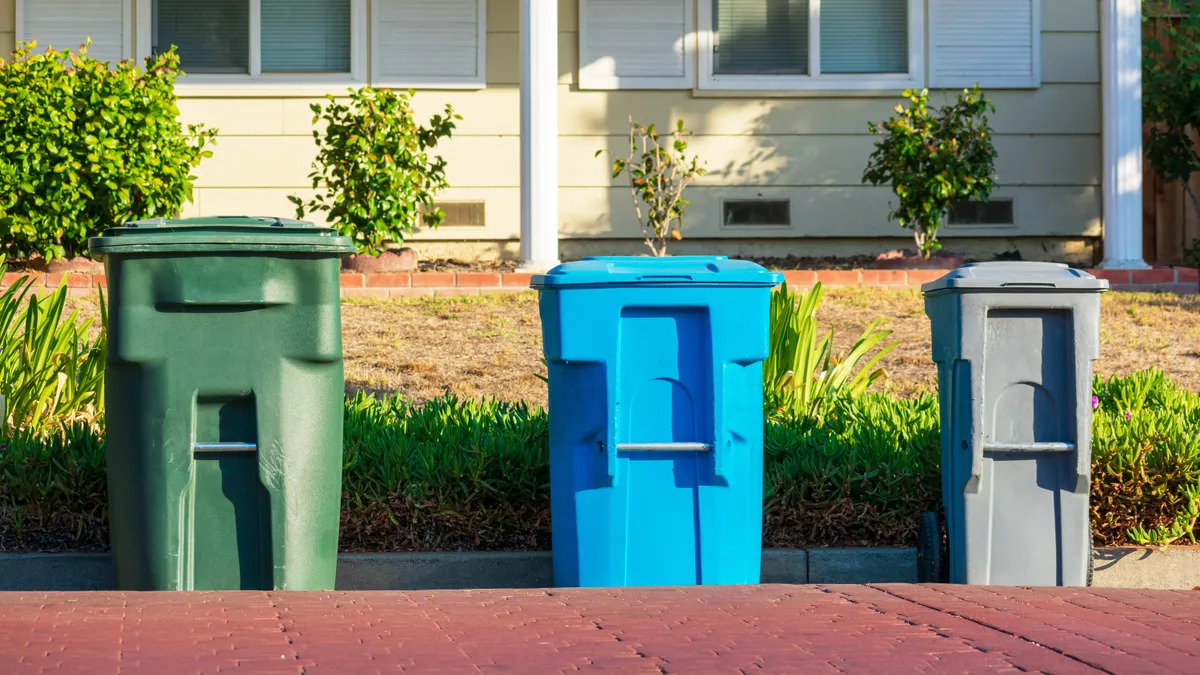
{"x": 589, "y": 80}
{"x": 814, "y": 81}
{"x": 268, "y": 82}
{"x": 127, "y": 33}
{"x": 1034, "y": 81}
{"x": 478, "y": 81}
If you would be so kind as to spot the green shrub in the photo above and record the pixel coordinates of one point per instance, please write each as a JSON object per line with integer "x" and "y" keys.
{"x": 50, "y": 370}
{"x": 374, "y": 173}
{"x": 934, "y": 160}
{"x": 802, "y": 375}
{"x": 86, "y": 147}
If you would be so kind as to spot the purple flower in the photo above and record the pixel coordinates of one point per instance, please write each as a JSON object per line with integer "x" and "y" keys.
{"x": 1095, "y": 402}
{"x": 1128, "y": 416}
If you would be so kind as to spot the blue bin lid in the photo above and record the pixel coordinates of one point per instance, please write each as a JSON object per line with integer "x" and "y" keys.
{"x": 1015, "y": 276}
{"x": 688, "y": 270}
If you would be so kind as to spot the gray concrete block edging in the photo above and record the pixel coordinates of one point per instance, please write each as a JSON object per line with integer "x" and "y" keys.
{"x": 1115, "y": 568}
{"x": 363, "y": 571}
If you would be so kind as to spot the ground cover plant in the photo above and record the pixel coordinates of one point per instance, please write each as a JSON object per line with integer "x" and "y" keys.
{"x": 457, "y": 474}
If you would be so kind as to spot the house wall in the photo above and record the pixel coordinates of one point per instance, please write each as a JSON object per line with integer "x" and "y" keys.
{"x": 809, "y": 147}
{"x": 8, "y": 21}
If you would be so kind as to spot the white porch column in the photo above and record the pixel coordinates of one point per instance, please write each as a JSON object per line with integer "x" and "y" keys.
{"x": 539, "y": 134}
{"x": 1121, "y": 83}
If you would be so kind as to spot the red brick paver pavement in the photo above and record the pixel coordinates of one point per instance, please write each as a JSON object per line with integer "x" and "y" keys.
{"x": 741, "y": 629}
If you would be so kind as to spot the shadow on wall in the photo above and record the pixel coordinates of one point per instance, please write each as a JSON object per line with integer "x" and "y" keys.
{"x": 805, "y": 150}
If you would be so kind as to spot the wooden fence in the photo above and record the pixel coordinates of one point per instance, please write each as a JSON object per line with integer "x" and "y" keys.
{"x": 1169, "y": 220}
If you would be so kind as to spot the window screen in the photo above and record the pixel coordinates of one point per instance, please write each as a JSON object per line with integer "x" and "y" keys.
{"x": 211, "y": 36}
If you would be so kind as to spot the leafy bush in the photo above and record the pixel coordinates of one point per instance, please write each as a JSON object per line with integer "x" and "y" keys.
{"x": 1171, "y": 91}
{"x": 658, "y": 178}
{"x": 374, "y": 169}
{"x": 50, "y": 370}
{"x": 933, "y": 160}
{"x": 86, "y": 147}
{"x": 801, "y": 375}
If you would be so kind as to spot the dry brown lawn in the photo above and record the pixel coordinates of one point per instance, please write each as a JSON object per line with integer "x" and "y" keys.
{"x": 491, "y": 345}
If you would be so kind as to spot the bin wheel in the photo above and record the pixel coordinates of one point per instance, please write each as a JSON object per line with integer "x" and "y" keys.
{"x": 1091, "y": 559}
{"x": 932, "y": 555}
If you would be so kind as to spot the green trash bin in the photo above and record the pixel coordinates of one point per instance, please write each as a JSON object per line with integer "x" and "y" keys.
{"x": 224, "y": 392}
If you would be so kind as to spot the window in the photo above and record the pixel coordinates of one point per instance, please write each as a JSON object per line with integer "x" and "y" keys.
{"x": 811, "y": 44}
{"x": 67, "y": 24}
{"x": 257, "y": 37}
{"x": 437, "y": 43}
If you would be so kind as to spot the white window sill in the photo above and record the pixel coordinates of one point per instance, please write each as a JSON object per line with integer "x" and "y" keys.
{"x": 419, "y": 85}
{"x": 288, "y": 87}
{"x": 263, "y": 86}
{"x": 766, "y": 86}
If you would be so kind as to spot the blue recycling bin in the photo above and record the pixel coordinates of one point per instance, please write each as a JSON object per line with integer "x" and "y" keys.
{"x": 656, "y": 418}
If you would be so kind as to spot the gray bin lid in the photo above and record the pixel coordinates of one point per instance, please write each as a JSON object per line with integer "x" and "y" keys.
{"x": 219, "y": 234}
{"x": 1016, "y": 277}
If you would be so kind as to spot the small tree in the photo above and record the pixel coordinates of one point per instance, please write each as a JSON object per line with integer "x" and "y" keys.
{"x": 85, "y": 146}
{"x": 1171, "y": 91}
{"x": 658, "y": 179}
{"x": 374, "y": 167}
{"x": 934, "y": 160}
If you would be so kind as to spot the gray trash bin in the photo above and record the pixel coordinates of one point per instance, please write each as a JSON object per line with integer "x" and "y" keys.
{"x": 1014, "y": 344}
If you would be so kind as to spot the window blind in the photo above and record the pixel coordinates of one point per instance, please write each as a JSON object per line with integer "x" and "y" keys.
{"x": 212, "y": 36}
{"x": 305, "y": 36}
{"x": 67, "y": 24}
{"x": 864, "y": 36}
{"x": 760, "y": 37}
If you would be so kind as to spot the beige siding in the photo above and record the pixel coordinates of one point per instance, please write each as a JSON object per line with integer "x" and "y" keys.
{"x": 8, "y": 21}
{"x": 810, "y": 148}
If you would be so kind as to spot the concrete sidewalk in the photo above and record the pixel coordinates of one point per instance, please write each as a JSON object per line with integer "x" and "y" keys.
{"x": 770, "y": 629}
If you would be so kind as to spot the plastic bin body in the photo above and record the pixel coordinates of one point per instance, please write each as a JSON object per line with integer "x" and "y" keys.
{"x": 224, "y": 395}
{"x": 1014, "y": 345}
{"x": 656, "y": 420}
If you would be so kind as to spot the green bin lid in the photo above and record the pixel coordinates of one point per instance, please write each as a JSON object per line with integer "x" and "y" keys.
{"x": 685, "y": 270}
{"x": 219, "y": 234}
{"x": 1016, "y": 277}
